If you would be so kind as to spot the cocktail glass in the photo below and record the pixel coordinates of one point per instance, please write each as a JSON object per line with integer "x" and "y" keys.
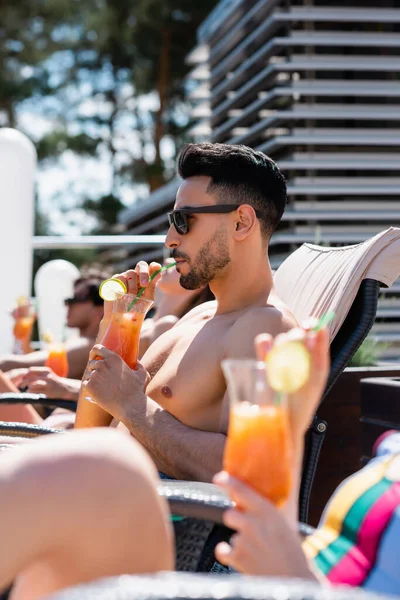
{"x": 24, "y": 315}
{"x": 57, "y": 359}
{"x": 258, "y": 449}
{"x": 122, "y": 336}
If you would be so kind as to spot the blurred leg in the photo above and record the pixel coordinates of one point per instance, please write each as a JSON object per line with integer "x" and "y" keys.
{"x": 78, "y": 507}
{"x": 21, "y": 413}
{"x": 7, "y": 439}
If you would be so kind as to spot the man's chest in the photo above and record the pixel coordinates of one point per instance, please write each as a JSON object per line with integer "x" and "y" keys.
{"x": 186, "y": 377}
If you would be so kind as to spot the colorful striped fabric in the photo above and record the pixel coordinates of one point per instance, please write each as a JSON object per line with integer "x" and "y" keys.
{"x": 358, "y": 540}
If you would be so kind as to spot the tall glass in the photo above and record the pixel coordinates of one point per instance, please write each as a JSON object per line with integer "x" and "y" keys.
{"x": 258, "y": 450}
{"x": 122, "y": 336}
{"x": 25, "y": 316}
{"x": 57, "y": 359}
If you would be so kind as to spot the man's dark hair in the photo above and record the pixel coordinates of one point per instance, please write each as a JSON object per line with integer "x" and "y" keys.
{"x": 92, "y": 279}
{"x": 238, "y": 174}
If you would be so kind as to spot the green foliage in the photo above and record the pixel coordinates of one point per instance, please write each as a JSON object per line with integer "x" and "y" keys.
{"x": 159, "y": 22}
{"x": 368, "y": 353}
{"x": 106, "y": 210}
{"x": 54, "y": 144}
{"x": 32, "y": 31}
{"x": 109, "y": 78}
{"x": 41, "y": 224}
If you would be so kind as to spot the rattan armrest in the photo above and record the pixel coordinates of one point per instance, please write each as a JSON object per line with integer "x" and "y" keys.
{"x": 204, "y": 501}
{"x": 25, "y": 430}
{"x": 195, "y": 499}
{"x": 37, "y": 399}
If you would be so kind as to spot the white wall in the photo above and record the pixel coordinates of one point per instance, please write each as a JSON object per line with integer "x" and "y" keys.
{"x": 53, "y": 283}
{"x": 17, "y": 176}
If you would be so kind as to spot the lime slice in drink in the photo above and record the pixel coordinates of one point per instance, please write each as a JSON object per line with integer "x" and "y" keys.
{"x": 288, "y": 366}
{"x": 47, "y": 337}
{"x": 111, "y": 289}
{"x": 22, "y": 300}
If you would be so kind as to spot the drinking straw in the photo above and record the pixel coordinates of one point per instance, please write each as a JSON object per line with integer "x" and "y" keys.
{"x": 324, "y": 320}
{"x": 140, "y": 292}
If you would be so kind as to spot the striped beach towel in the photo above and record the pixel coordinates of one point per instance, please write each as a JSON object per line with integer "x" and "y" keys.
{"x": 358, "y": 540}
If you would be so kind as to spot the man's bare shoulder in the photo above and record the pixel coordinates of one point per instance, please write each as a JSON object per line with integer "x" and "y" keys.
{"x": 207, "y": 309}
{"x": 275, "y": 319}
{"x": 79, "y": 343}
{"x": 256, "y": 320}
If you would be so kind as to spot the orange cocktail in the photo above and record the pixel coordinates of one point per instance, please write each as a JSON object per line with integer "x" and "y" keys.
{"x": 122, "y": 336}
{"x": 24, "y": 315}
{"x": 258, "y": 447}
{"x": 57, "y": 360}
{"x": 23, "y": 328}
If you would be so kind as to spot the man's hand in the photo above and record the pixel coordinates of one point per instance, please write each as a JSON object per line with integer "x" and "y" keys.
{"x": 42, "y": 380}
{"x": 112, "y": 384}
{"x": 263, "y": 544}
{"x": 303, "y": 404}
{"x": 15, "y": 375}
{"x": 137, "y": 278}
{"x": 22, "y": 311}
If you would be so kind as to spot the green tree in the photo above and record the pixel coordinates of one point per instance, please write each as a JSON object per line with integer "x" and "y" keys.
{"x": 105, "y": 210}
{"x": 165, "y": 34}
{"x": 89, "y": 65}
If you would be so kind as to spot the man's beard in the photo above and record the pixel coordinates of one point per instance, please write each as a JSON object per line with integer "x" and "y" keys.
{"x": 209, "y": 261}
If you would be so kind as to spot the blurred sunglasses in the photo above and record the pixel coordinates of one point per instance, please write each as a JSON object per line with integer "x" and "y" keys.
{"x": 89, "y": 295}
{"x": 77, "y": 300}
{"x": 180, "y": 218}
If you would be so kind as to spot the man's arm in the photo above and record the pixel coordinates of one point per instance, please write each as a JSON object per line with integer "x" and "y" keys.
{"x": 22, "y": 413}
{"x": 15, "y": 361}
{"x": 77, "y": 351}
{"x": 178, "y": 450}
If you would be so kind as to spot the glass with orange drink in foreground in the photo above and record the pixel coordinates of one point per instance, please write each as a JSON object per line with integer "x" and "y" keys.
{"x": 122, "y": 336}
{"x": 258, "y": 448}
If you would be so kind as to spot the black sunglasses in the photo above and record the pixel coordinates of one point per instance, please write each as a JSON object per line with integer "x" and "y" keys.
{"x": 76, "y": 300}
{"x": 92, "y": 295}
{"x": 179, "y": 218}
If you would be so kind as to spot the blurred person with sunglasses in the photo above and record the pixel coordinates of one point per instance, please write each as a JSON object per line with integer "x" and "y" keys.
{"x": 85, "y": 307}
{"x": 175, "y": 403}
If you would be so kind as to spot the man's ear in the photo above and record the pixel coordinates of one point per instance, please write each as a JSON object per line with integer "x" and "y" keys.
{"x": 245, "y": 221}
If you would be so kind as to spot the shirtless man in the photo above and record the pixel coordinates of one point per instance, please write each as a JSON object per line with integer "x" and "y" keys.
{"x": 175, "y": 403}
